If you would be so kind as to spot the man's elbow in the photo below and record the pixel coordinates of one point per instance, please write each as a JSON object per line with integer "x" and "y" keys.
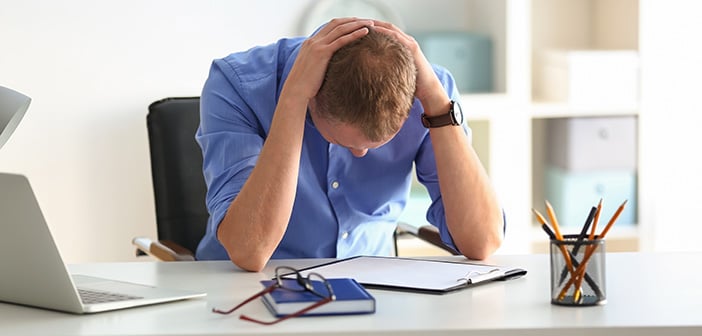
{"x": 485, "y": 250}
{"x": 251, "y": 263}
{"x": 246, "y": 254}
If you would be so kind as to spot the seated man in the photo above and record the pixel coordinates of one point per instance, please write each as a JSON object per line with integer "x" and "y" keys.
{"x": 309, "y": 145}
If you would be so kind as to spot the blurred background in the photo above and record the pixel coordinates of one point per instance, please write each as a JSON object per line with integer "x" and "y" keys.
{"x": 570, "y": 100}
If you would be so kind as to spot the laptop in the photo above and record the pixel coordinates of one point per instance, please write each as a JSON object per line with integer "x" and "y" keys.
{"x": 34, "y": 274}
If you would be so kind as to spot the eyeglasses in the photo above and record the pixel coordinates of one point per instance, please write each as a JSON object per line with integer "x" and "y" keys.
{"x": 299, "y": 284}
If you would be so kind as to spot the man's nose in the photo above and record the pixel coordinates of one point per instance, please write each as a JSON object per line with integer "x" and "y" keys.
{"x": 359, "y": 152}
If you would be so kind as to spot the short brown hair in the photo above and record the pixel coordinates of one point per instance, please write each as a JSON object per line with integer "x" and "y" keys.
{"x": 370, "y": 84}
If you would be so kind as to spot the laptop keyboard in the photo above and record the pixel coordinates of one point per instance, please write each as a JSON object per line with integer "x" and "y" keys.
{"x": 92, "y": 296}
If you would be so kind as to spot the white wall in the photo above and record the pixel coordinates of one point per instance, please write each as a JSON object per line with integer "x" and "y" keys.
{"x": 92, "y": 68}
{"x": 671, "y": 120}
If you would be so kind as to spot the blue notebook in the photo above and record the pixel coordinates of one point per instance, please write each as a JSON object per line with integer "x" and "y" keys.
{"x": 351, "y": 298}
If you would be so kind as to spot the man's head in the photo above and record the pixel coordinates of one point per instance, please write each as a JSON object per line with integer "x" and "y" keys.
{"x": 369, "y": 86}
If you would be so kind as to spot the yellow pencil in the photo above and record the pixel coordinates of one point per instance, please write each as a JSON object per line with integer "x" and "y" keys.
{"x": 554, "y": 221}
{"x": 613, "y": 219}
{"x": 566, "y": 255}
{"x": 594, "y": 221}
{"x": 539, "y": 217}
{"x": 559, "y": 236}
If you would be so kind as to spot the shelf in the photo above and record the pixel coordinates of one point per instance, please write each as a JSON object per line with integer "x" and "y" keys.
{"x": 485, "y": 106}
{"x": 545, "y": 110}
{"x": 509, "y": 126}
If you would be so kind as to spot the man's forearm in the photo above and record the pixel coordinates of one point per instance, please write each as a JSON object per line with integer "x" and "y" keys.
{"x": 473, "y": 215}
{"x": 472, "y": 212}
{"x": 258, "y": 217}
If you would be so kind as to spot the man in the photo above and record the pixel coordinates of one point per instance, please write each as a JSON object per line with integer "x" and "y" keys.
{"x": 308, "y": 149}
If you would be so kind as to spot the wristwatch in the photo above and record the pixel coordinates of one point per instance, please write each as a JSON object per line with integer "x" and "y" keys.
{"x": 453, "y": 117}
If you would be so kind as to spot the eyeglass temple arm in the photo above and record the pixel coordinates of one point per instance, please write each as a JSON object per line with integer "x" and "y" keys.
{"x": 301, "y": 312}
{"x": 255, "y": 296}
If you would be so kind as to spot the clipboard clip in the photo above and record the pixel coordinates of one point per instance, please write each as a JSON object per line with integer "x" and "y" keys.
{"x": 474, "y": 277}
{"x": 513, "y": 274}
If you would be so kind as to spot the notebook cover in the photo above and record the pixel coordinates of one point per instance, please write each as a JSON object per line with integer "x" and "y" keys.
{"x": 351, "y": 298}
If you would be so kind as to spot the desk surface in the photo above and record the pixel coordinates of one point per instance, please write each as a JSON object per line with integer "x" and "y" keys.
{"x": 648, "y": 294}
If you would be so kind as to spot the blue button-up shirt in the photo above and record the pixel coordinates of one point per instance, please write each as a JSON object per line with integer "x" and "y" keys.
{"x": 344, "y": 205}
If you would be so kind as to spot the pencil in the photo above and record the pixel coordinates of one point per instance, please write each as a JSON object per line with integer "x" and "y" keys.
{"x": 594, "y": 221}
{"x": 594, "y": 226}
{"x": 574, "y": 260}
{"x": 590, "y": 251}
{"x": 564, "y": 251}
{"x": 559, "y": 236}
{"x": 540, "y": 218}
{"x": 548, "y": 231}
{"x": 579, "y": 242}
{"x": 581, "y": 269}
{"x": 613, "y": 219}
{"x": 554, "y": 221}
{"x": 583, "y": 232}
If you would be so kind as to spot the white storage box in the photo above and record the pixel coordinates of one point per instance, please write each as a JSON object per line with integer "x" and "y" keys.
{"x": 590, "y": 78}
{"x": 572, "y": 194}
{"x": 588, "y": 143}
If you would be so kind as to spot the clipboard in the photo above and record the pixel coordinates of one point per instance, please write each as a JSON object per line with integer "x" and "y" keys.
{"x": 414, "y": 274}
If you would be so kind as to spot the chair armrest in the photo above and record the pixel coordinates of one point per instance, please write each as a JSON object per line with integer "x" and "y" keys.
{"x": 428, "y": 233}
{"x": 164, "y": 250}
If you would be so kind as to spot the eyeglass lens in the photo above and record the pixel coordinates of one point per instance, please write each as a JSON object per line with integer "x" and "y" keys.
{"x": 313, "y": 282}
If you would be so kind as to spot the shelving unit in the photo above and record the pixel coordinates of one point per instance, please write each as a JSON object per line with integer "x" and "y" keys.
{"x": 577, "y": 25}
{"x": 509, "y": 124}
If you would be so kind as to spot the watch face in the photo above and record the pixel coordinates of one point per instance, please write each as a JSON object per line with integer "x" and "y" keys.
{"x": 457, "y": 113}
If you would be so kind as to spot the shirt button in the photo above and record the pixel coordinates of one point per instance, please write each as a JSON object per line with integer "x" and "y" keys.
{"x": 335, "y": 184}
{"x": 344, "y": 235}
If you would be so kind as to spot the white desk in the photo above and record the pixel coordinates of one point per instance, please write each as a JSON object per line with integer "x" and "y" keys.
{"x": 648, "y": 294}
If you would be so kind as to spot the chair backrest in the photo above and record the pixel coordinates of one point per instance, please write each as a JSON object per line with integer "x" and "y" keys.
{"x": 176, "y": 169}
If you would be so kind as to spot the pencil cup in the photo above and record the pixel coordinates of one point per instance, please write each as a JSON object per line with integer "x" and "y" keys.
{"x": 578, "y": 271}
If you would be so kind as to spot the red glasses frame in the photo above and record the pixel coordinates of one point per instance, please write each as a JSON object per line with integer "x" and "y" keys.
{"x": 305, "y": 285}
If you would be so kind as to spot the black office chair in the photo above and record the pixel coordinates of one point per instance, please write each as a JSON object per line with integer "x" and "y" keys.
{"x": 176, "y": 171}
{"x": 179, "y": 186}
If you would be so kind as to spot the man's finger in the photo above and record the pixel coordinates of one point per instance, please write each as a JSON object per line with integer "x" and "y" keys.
{"x": 345, "y": 29}
{"x": 334, "y": 23}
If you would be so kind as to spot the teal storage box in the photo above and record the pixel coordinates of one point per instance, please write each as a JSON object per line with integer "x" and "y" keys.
{"x": 468, "y": 56}
{"x": 572, "y": 194}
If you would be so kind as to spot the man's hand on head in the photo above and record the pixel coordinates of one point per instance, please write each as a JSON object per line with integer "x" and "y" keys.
{"x": 429, "y": 91}
{"x": 307, "y": 73}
